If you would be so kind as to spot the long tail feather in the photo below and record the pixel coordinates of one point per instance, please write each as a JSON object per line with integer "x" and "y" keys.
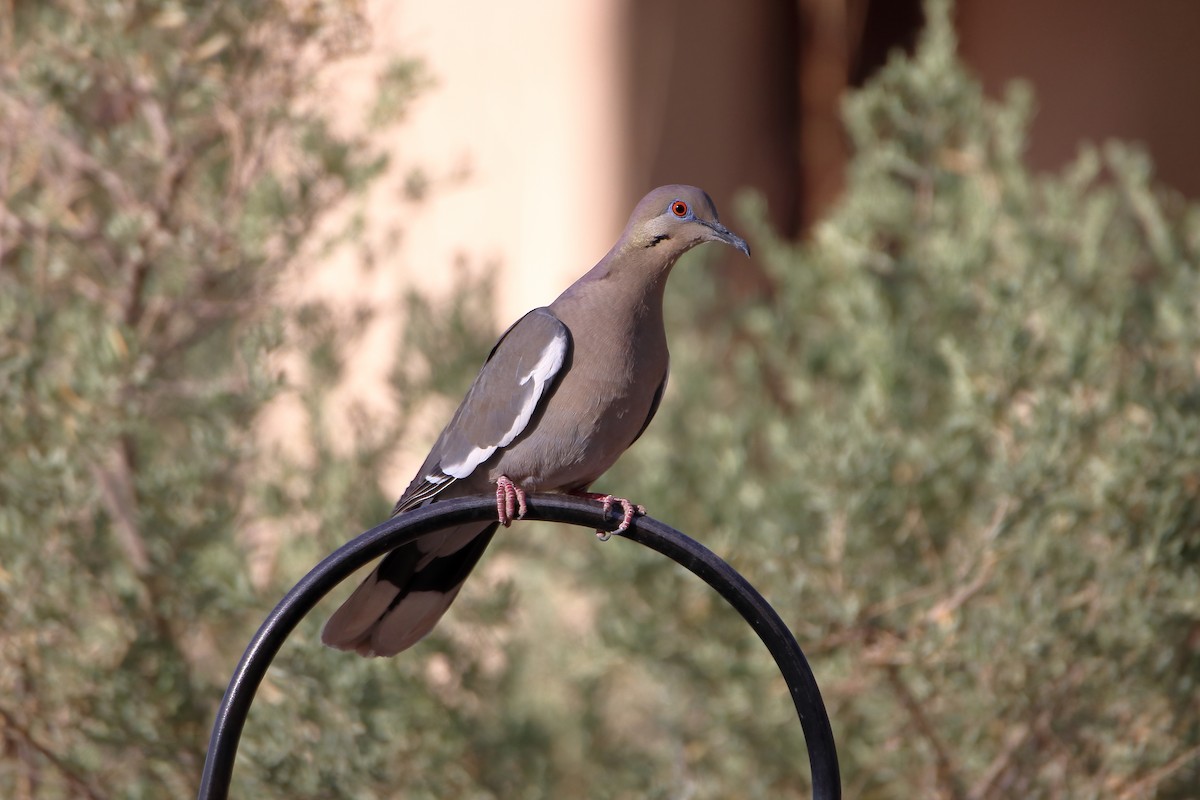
{"x": 403, "y": 599}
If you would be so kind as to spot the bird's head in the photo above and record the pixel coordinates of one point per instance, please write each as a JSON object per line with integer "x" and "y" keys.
{"x": 674, "y": 219}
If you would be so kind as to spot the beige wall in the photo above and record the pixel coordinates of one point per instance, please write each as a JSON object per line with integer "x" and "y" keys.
{"x": 524, "y": 111}
{"x": 521, "y": 134}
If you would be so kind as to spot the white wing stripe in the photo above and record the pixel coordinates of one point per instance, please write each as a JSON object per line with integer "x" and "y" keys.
{"x": 542, "y": 373}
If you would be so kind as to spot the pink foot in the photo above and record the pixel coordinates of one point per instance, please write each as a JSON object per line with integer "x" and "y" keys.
{"x": 509, "y": 498}
{"x": 628, "y": 509}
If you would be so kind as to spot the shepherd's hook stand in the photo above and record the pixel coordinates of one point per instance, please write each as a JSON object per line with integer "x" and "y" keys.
{"x": 411, "y": 525}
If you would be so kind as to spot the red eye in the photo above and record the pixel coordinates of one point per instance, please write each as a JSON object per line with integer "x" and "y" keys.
{"x": 679, "y": 208}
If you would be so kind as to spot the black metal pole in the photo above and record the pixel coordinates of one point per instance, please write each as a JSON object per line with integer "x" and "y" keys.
{"x": 235, "y": 706}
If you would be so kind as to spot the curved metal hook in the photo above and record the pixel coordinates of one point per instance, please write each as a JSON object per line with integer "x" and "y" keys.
{"x": 235, "y": 706}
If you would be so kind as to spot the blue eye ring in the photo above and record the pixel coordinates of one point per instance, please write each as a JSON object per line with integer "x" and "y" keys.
{"x": 680, "y": 209}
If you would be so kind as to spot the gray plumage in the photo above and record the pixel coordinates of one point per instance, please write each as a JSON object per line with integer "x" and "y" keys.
{"x": 564, "y": 392}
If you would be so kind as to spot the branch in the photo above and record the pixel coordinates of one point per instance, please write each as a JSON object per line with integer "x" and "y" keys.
{"x": 117, "y": 493}
{"x": 1144, "y": 786}
{"x": 947, "y": 779}
{"x": 73, "y": 777}
{"x": 1015, "y": 740}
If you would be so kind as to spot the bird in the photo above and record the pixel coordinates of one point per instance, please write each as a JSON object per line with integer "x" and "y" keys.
{"x": 562, "y": 394}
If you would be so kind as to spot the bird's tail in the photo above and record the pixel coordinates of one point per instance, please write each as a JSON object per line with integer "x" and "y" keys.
{"x": 406, "y": 595}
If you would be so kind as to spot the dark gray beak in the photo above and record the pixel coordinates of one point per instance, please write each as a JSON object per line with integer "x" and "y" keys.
{"x": 723, "y": 234}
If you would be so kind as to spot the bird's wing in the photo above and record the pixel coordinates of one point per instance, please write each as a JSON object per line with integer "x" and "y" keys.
{"x": 513, "y": 384}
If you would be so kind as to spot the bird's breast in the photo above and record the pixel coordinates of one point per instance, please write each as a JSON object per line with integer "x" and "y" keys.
{"x": 595, "y": 412}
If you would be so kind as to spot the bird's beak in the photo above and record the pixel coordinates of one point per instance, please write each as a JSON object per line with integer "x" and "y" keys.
{"x": 722, "y": 234}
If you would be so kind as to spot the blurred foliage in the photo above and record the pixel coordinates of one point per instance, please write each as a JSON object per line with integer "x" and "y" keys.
{"x": 957, "y": 445}
{"x": 161, "y": 165}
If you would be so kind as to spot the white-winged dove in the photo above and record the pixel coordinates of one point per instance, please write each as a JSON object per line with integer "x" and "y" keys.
{"x": 564, "y": 392}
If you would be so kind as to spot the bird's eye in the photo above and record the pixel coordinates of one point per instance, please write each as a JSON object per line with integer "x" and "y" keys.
{"x": 679, "y": 208}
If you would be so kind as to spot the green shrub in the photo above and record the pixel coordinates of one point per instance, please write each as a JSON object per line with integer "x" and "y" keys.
{"x": 959, "y": 448}
{"x": 956, "y": 445}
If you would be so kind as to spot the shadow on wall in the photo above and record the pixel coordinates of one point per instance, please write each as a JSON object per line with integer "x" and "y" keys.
{"x": 732, "y": 95}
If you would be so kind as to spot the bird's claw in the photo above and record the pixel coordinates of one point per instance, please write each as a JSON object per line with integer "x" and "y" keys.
{"x": 509, "y": 498}
{"x": 628, "y": 509}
